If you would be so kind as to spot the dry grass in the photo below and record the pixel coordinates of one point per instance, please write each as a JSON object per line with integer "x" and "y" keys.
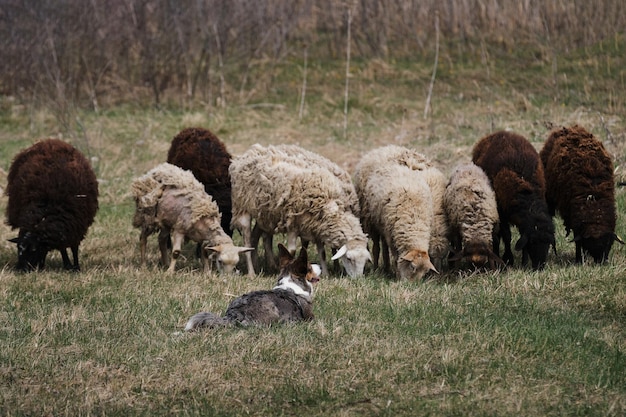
{"x": 108, "y": 340}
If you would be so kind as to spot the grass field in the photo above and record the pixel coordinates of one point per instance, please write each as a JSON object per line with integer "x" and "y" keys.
{"x": 109, "y": 340}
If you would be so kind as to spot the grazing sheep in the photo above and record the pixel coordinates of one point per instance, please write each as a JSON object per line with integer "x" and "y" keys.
{"x": 291, "y": 300}
{"x": 172, "y": 200}
{"x": 303, "y": 200}
{"x": 307, "y": 159}
{"x": 472, "y": 212}
{"x": 439, "y": 245}
{"x": 581, "y": 187}
{"x": 53, "y": 199}
{"x": 201, "y": 152}
{"x": 516, "y": 174}
{"x": 397, "y": 208}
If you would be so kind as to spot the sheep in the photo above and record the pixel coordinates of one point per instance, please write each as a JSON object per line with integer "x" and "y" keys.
{"x": 439, "y": 245}
{"x": 173, "y": 201}
{"x": 304, "y": 158}
{"x": 291, "y": 300}
{"x": 53, "y": 200}
{"x": 472, "y": 214}
{"x": 297, "y": 199}
{"x": 201, "y": 152}
{"x": 581, "y": 187}
{"x": 513, "y": 166}
{"x": 397, "y": 208}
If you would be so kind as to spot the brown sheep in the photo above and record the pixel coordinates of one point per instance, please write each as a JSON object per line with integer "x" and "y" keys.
{"x": 198, "y": 150}
{"x": 513, "y": 166}
{"x": 53, "y": 199}
{"x": 581, "y": 187}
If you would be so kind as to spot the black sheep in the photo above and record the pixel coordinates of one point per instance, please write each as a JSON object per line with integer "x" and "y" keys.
{"x": 581, "y": 187}
{"x": 201, "y": 152}
{"x": 53, "y": 199}
{"x": 516, "y": 174}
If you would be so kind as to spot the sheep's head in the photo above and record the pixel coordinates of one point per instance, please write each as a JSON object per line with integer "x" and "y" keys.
{"x": 353, "y": 257}
{"x": 414, "y": 264}
{"x": 598, "y": 246}
{"x": 479, "y": 254}
{"x": 536, "y": 238}
{"x": 225, "y": 256}
{"x": 31, "y": 253}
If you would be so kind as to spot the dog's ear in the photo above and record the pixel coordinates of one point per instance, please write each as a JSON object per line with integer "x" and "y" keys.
{"x": 301, "y": 264}
{"x": 284, "y": 257}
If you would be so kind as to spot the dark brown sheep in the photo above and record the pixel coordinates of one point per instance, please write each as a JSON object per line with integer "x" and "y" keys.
{"x": 201, "y": 152}
{"x": 53, "y": 199}
{"x": 516, "y": 174}
{"x": 581, "y": 187}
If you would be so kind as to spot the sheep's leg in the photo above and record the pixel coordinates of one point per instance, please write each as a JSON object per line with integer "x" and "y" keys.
{"x": 375, "y": 249}
{"x": 244, "y": 223}
{"x": 254, "y": 243}
{"x": 206, "y": 260}
{"x": 322, "y": 255}
{"x": 41, "y": 264}
{"x": 66, "y": 259}
{"x": 292, "y": 240}
{"x": 579, "y": 252}
{"x": 75, "y": 256}
{"x": 143, "y": 243}
{"x": 164, "y": 240}
{"x": 505, "y": 233}
{"x": 270, "y": 259}
{"x": 386, "y": 260}
{"x": 177, "y": 243}
{"x": 495, "y": 234}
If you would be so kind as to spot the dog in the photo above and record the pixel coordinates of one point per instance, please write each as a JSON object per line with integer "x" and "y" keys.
{"x": 291, "y": 300}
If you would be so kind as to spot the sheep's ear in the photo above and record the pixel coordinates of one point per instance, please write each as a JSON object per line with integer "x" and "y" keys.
{"x": 618, "y": 239}
{"x": 455, "y": 256}
{"x": 243, "y": 249}
{"x": 495, "y": 261}
{"x": 342, "y": 251}
{"x": 522, "y": 242}
{"x": 430, "y": 266}
{"x": 217, "y": 248}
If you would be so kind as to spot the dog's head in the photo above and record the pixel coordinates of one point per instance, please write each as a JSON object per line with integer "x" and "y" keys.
{"x": 296, "y": 273}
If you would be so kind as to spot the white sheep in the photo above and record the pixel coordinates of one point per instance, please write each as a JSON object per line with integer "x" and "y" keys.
{"x": 304, "y": 158}
{"x": 439, "y": 245}
{"x": 397, "y": 208}
{"x": 472, "y": 212}
{"x": 300, "y": 199}
{"x": 173, "y": 201}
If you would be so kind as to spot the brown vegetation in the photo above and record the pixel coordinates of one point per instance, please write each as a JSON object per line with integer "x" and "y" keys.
{"x": 77, "y": 51}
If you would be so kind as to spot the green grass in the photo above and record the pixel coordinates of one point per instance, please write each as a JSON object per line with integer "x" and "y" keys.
{"x": 109, "y": 340}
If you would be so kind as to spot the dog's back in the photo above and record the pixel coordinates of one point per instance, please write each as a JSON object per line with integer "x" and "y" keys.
{"x": 289, "y": 301}
{"x": 266, "y": 307}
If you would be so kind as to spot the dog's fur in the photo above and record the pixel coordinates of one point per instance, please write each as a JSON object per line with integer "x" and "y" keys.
{"x": 291, "y": 300}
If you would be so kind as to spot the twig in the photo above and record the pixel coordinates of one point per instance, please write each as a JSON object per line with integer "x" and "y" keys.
{"x": 222, "y": 99}
{"x": 345, "y": 105}
{"x": 609, "y": 135}
{"x": 301, "y": 113}
{"x": 432, "y": 79}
